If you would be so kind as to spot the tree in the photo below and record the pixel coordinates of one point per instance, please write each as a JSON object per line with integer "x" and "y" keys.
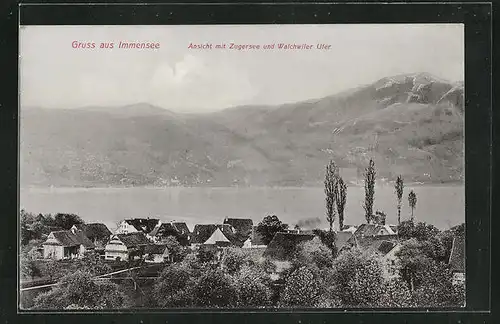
{"x": 215, "y": 289}
{"x": 79, "y": 290}
{"x": 420, "y": 231}
{"x": 174, "y": 286}
{"x": 370, "y": 174}
{"x": 358, "y": 279}
{"x": 314, "y": 252}
{"x": 399, "y": 187}
{"x": 331, "y": 177}
{"x": 341, "y": 199}
{"x": 269, "y": 226}
{"x": 252, "y": 291}
{"x": 412, "y": 201}
{"x": 413, "y": 263}
{"x": 66, "y": 221}
{"x": 302, "y": 289}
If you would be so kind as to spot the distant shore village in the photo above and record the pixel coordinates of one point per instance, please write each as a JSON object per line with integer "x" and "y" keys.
{"x": 145, "y": 239}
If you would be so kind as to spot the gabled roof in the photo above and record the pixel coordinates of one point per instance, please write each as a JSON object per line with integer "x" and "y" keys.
{"x": 217, "y": 237}
{"x": 68, "y": 238}
{"x": 97, "y": 231}
{"x": 341, "y": 239}
{"x": 133, "y": 239}
{"x": 202, "y": 232}
{"x": 155, "y": 249}
{"x": 381, "y": 244}
{"x": 284, "y": 245}
{"x": 145, "y": 225}
{"x": 457, "y": 255}
{"x": 372, "y": 230}
{"x": 242, "y": 226}
{"x": 178, "y": 230}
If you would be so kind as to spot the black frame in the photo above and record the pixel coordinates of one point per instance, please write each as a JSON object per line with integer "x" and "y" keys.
{"x": 477, "y": 18}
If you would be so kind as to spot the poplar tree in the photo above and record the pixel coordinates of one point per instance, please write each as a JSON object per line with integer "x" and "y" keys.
{"x": 341, "y": 199}
{"x": 399, "y": 186}
{"x": 370, "y": 174}
{"x": 330, "y": 184}
{"x": 412, "y": 201}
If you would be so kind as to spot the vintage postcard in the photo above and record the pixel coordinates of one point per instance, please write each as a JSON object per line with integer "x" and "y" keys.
{"x": 241, "y": 167}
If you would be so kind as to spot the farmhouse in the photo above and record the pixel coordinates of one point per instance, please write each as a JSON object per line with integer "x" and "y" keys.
{"x": 283, "y": 245}
{"x": 457, "y": 259}
{"x": 66, "y": 244}
{"x": 176, "y": 229}
{"x": 156, "y": 253}
{"x": 212, "y": 234}
{"x": 123, "y": 247}
{"x": 145, "y": 225}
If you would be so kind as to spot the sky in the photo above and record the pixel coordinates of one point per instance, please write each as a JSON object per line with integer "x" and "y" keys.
{"x": 53, "y": 74}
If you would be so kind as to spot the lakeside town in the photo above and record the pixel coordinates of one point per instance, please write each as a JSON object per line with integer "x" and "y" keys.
{"x": 154, "y": 262}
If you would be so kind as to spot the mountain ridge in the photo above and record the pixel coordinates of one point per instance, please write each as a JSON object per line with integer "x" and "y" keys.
{"x": 410, "y": 124}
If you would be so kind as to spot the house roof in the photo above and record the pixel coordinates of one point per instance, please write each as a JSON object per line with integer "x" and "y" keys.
{"x": 145, "y": 225}
{"x": 216, "y": 237}
{"x": 457, "y": 255}
{"x": 283, "y": 245}
{"x": 371, "y": 230}
{"x": 381, "y": 244}
{"x": 176, "y": 229}
{"x": 155, "y": 249}
{"x": 68, "y": 238}
{"x": 341, "y": 239}
{"x": 94, "y": 230}
{"x": 133, "y": 239}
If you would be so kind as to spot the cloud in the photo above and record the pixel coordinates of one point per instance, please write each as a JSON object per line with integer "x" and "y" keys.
{"x": 194, "y": 84}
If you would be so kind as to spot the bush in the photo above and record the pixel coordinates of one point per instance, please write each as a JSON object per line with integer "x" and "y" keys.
{"x": 215, "y": 289}
{"x": 172, "y": 288}
{"x": 79, "y": 290}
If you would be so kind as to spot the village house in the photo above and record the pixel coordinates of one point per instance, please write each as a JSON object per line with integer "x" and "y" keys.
{"x": 123, "y": 247}
{"x": 283, "y": 245}
{"x": 457, "y": 260}
{"x": 385, "y": 246}
{"x": 145, "y": 225}
{"x": 156, "y": 253}
{"x": 66, "y": 244}
{"x": 349, "y": 228}
{"x": 221, "y": 235}
{"x": 176, "y": 229}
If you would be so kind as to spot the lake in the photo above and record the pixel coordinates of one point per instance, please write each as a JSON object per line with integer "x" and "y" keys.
{"x": 442, "y": 206}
